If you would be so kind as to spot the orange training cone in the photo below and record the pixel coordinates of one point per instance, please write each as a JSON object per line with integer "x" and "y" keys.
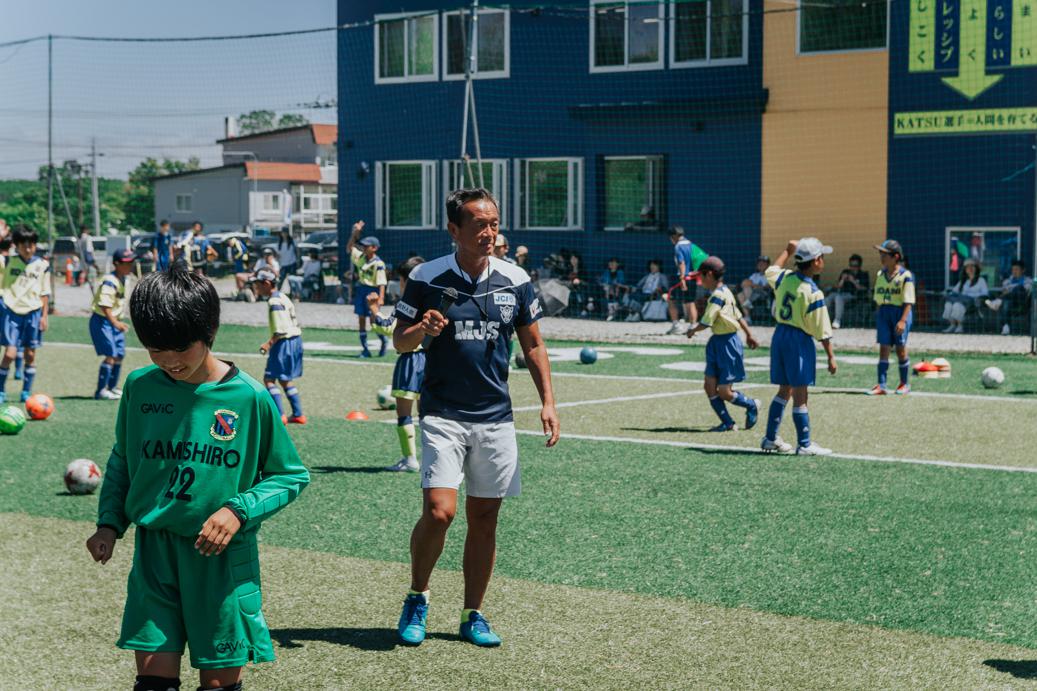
{"x": 356, "y": 415}
{"x": 68, "y": 272}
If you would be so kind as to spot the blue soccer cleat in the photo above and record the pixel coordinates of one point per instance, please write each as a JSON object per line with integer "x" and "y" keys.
{"x": 3, "y": 397}
{"x": 477, "y": 631}
{"x": 413, "y": 619}
{"x": 365, "y": 353}
{"x": 752, "y": 413}
{"x": 26, "y": 395}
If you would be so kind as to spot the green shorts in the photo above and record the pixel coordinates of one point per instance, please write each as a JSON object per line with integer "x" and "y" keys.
{"x": 175, "y": 596}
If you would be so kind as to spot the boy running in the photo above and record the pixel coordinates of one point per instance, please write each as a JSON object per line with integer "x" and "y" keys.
{"x": 799, "y": 309}
{"x": 724, "y": 365}
{"x": 406, "y": 376}
{"x": 284, "y": 364}
{"x": 895, "y": 298}
{"x": 200, "y": 461}
{"x": 107, "y": 330}
{"x": 371, "y": 279}
{"x": 25, "y": 293}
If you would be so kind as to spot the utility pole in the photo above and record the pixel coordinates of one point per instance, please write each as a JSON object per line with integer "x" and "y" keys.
{"x": 50, "y": 142}
{"x": 93, "y": 186}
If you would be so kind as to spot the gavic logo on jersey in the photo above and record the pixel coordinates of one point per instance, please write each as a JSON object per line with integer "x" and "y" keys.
{"x": 225, "y": 427}
{"x": 471, "y": 330}
{"x": 163, "y": 408}
{"x": 506, "y": 313}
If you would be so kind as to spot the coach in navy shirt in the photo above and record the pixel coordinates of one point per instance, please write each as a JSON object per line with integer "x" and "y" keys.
{"x": 467, "y": 428}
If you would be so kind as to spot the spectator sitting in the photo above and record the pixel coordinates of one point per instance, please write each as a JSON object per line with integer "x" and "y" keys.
{"x": 853, "y": 284}
{"x": 500, "y": 249}
{"x": 614, "y": 284}
{"x": 309, "y": 279}
{"x": 1015, "y": 296}
{"x": 969, "y": 291}
{"x": 522, "y": 257}
{"x": 268, "y": 261}
{"x": 651, "y": 287}
{"x": 576, "y": 279}
{"x": 755, "y": 287}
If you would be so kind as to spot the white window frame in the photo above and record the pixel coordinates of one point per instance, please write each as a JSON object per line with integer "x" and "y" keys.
{"x": 428, "y": 195}
{"x": 709, "y": 61}
{"x": 799, "y": 30}
{"x": 407, "y": 78}
{"x": 478, "y": 74}
{"x": 626, "y": 66}
{"x": 179, "y": 204}
{"x": 659, "y": 161}
{"x": 575, "y": 189}
{"x": 958, "y": 230}
{"x": 499, "y": 182}
{"x": 269, "y": 202}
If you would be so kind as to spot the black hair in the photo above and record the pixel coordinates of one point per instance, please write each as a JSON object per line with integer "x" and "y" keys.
{"x": 677, "y": 230}
{"x": 197, "y": 223}
{"x": 717, "y": 274}
{"x": 314, "y": 254}
{"x": 281, "y": 241}
{"x": 163, "y": 222}
{"x": 83, "y": 227}
{"x": 456, "y": 200}
{"x": 173, "y": 309}
{"x": 23, "y": 233}
{"x": 408, "y": 265}
{"x": 5, "y": 244}
{"x": 856, "y": 258}
{"x": 657, "y": 262}
{"x": 803, "y": 266}
{"x": 1020, "y": 263}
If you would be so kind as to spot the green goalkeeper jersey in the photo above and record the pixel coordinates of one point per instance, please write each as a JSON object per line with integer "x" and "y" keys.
{"x": 184, "y": 450}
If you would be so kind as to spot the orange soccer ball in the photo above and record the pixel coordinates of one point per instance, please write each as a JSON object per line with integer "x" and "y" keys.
{"x": 39, "y": 406}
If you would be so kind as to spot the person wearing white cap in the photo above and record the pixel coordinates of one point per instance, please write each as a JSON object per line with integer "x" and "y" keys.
{"x": 799, "y": 309}
{"x": 500, "y": 249}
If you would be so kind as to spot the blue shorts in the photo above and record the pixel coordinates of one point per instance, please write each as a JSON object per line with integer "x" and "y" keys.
{"x": 285, "y": 360}
{"x": 886, "y": 318}
{"x": 408, "y": 375}
{"x": 239, "y": 266}
{"x": 360, "y": 299}
{"x": 108, "y": 341}
{"x": 793, "y": 357}
{"x": 20, "y": 330}
{"x": 724, "y": 358}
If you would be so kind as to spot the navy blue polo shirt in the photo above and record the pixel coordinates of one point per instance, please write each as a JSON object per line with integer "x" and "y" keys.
{"x": 466, "y": 370}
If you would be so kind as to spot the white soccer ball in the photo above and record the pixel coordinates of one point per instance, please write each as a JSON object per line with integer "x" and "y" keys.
{"x": 992, "y": 377}
{"x": 82, "y": 476}
{"x": 386, "y": 401}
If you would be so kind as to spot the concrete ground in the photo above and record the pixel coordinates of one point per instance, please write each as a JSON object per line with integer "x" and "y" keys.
{"x": 75, "y": 300}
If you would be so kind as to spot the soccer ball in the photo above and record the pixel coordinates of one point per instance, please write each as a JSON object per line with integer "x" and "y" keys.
{"x": 385, "y": 398}
{"x": 82, "y": 476}
{"x": 992, "y": 377}
{"x": 39, "y": 406}
{"x": 520, "y": 359}
{"x": 12, "y": 420}
{"x": 588, "y": 355}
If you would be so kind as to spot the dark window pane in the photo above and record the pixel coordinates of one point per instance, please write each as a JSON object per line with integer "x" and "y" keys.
{"x": 644, "y": 32}
{"x": 842, "y": 25}
{"x": 456, "y": 54}
{"x": 491, "y": 42}
{"x": 548, "y": 194}
{"x": 609, "y": 35}
{"x": 390, "y": 48}
{"x": 625, "y": 191}
{"x": 726, "y": 30}
{"x": 690, "y": 30}
{"x": 404, "y": 184}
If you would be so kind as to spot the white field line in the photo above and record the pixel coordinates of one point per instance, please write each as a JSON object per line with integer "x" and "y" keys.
{"x": 620, "y": 399}
{"x": 675, "y": 380}
{"x": 744, "y": 449}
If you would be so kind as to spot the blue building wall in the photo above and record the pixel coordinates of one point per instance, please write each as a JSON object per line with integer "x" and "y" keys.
{"x": 705, "y": 121}
{"x": 940, "y": 181}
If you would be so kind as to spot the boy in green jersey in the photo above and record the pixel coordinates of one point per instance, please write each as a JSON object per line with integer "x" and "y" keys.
{"x": 200, "y": 460}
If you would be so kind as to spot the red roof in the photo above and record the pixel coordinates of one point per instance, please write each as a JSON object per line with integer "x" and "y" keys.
{"x": 324, "y": 134}
{"x": 290, "y": 172}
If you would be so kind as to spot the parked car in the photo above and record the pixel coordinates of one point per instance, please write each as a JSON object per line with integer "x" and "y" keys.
{"x": 328, "y": 242}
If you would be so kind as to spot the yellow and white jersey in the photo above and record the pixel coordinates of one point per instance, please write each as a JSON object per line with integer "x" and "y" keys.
{"x": 897, "y": 291}
{"x": 722, "y": 313}
{"x": 25, "y": 284}
{"x": 798, "y": 302}
{"x": 283, "y": 322}
{"x": 111, "y": 294}
{"x": 369, "y": 272}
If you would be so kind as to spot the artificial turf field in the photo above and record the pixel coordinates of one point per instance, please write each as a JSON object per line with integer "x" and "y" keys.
{"x": 639, "y": 554}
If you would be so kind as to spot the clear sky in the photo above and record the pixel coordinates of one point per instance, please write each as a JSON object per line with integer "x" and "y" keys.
{"x": 155, "y": 99}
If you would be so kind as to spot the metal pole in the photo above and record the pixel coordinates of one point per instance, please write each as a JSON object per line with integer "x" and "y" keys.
{"x": 471, "y": 89}
{"x": 50, "y": 138}
{"x": 93, "y": 186}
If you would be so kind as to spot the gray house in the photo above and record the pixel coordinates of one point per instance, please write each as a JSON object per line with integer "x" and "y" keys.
{"x": 286, "y": 177}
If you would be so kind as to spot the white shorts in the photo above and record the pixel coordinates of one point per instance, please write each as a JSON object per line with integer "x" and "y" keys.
{"x": 483, "y": 453}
